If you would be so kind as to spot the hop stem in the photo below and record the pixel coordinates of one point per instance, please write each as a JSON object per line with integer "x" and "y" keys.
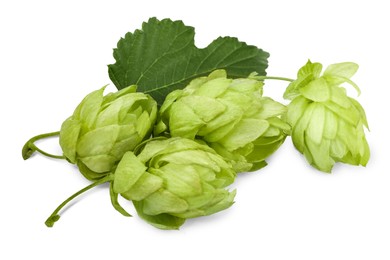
{"x": 270, "y": 77}
{"x": 54, "y": 217}
{"x": 29, "y": 148}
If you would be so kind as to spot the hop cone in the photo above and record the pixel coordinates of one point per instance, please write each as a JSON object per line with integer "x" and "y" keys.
{"x": 230, "y": 115}
{"x": 327, "y": 125}
{"x": 103, "y": 128}
{"x": 173, "y": 179}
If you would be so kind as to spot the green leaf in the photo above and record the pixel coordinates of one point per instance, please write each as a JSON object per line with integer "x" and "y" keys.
{"x": 129, "y": 170}
{"x": 88, "y": 108}
{"x": 309, "y": 72}
{"x": 98, "y": 141}
{"x": 316, "y": 126}
{"x": 146, "y": 185}
{"x": 310, "y": 68}
{"x": 317, "y": 90}
{"x": 115, "y": 202}
{"x": 339, "y": 73}
{"x": 181, "y": 180}
{"x": 343, "y": 69}
{"x": 246, "y": 131}
{"x": 69, "y": 134}
{"x": 164, "y": 201}
{"x": 162, "y": 221}
{"x": 162, "y": 57}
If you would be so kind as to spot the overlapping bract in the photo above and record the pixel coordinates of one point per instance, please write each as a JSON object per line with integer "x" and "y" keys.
{"x": 327, "y": 125}
{"x": 103, "y": 128}
{"x": 230, "y": 115}
{"x": 170, "y": 180}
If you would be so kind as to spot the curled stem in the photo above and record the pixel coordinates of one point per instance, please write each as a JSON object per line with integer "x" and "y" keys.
{"x": 54, "y": 217}
{"x": 29, "y": 148}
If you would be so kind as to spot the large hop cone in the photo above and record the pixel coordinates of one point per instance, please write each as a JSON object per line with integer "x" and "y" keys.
{"x": 230, "y": 115}
{"x": 103, "y": 128}
{"x": 171, "y": 180}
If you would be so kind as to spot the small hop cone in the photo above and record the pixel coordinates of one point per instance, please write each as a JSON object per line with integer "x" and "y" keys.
{"x": 103, "y": 128}
{"x": 171, "y": 180}
{"x": 327, "y": 125}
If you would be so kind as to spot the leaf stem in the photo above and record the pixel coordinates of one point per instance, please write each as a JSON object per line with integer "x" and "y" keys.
{"x": 271, "y": 77}
{"x": 29, "y": 148}
{"x": 55, "y": 216}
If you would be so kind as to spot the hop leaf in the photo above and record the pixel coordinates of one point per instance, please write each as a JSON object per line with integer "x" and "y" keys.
{"x": 162, "y": 57}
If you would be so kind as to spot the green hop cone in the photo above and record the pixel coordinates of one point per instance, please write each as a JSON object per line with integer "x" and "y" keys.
{"x": 230, "y": 115}
{"x": 103, "y": 128}
{"x": 327, "y": 125}
{"x": 171, "y": 180}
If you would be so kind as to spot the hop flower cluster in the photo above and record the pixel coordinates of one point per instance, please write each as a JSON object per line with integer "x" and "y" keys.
{"x": 177, "y": 162}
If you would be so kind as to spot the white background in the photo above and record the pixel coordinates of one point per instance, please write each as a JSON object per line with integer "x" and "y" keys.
{"x": 52, "y": 53}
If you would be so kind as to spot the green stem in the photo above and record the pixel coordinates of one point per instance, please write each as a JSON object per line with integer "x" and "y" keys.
{"x": 277, "y": 78}
{"x": 55, "y": 216}
{"x": 29, "y": 148}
